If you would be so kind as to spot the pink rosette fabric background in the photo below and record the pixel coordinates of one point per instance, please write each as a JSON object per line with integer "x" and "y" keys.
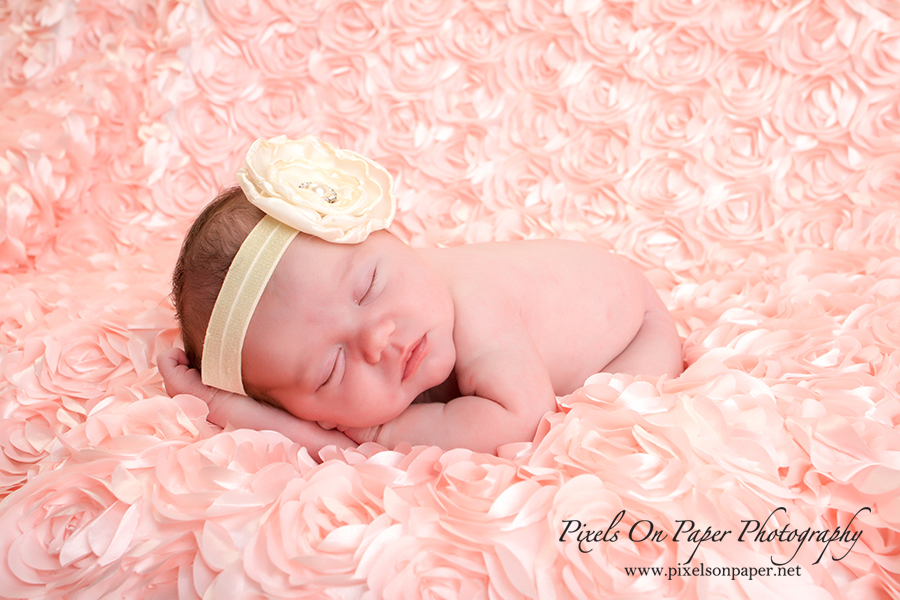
{"x": 744, "y": 153}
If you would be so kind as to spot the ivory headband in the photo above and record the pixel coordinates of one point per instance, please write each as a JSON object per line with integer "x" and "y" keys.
{"x": 302, "y": 185}
{"x": 247, "y": 277}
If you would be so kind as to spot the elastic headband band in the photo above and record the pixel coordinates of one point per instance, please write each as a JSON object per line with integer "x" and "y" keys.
{"x": 244, "y": 284}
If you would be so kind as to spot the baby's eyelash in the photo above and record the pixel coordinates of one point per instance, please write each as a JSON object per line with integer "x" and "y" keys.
{"x": 371, "y": 286}
{"x": 333, "y": 369}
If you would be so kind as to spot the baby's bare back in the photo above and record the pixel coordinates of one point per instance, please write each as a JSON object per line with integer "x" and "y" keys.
{"x": 580, "y": 304}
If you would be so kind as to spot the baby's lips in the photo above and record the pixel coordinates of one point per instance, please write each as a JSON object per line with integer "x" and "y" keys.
{"x": 414, "y": 358}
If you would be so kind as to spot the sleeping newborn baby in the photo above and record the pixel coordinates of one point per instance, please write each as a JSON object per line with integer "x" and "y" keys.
{"x": 290, "y": 291}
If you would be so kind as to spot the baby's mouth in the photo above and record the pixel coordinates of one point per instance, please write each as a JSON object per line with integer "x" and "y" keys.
{"x": 415, "y": 358}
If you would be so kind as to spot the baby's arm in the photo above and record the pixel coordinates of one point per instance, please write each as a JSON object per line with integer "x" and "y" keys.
{"x": 507, "y": 391}
{"x": 241, "y": 411}
{"x": 656, "y": 348}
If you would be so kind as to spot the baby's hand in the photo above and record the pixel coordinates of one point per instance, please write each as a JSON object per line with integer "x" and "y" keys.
{"x": 180, "y": 378}
{"x": 361, "y": 435}
{"x": 241, "y": 411}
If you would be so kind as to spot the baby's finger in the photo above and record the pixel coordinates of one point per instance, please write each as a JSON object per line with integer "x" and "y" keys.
{"x": 173, "y": 356}
{"x": 172, "y": 363}
{"x": 178, "y": 377}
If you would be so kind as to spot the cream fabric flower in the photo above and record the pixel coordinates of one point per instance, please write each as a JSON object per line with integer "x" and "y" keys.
{"x": 308, "y": 184}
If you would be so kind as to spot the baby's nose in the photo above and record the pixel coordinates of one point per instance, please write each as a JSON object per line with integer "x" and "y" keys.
{"x": 375, "y": 338}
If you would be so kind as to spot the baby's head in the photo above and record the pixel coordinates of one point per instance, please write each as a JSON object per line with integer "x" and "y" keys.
{"x": 206, "y": 255}
{"x": 348, "y": 333}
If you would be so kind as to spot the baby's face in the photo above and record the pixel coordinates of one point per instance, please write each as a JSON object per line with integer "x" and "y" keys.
{"x": 350, "y": 333}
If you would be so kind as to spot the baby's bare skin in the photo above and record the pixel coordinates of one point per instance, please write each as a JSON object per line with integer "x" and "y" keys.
{"x": 505, "y": 328}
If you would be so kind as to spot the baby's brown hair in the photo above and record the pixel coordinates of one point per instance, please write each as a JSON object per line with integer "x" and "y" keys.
{"x": 206, "y": 254}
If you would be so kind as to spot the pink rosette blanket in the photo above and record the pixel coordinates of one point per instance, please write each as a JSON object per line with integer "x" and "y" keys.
{"x": 745, "y": 153}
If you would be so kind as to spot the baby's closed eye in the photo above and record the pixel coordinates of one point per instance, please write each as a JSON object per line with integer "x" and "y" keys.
{"x": 337, "y": 369}
{"x": 371, "y": 289}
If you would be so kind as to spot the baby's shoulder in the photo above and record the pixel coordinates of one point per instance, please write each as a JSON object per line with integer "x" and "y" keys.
{"x": 536, "y": 261}
{"x": 528, "y": 252}
{"x": 494, "y": 276}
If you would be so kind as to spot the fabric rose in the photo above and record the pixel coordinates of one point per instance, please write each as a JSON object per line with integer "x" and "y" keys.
{"x": 449, "y": 159}
{"x": 597, "y": 212}
{"x": 817, "y": 175}
{"x": 421, "y": 14}
{"x": 534, "y": 122}
{"x": 283, "y": 49}
{"x": 822, "y": 107}
{"x": 677, "y": 56}
{"x": 749, "y": 27}
{"x": 442, "y": 220}
{"x": 738, "y": 211}
{"x": 477, "y": 34}
{"x": 207, "y": 133}
{"x": 817, "y": 40}
{"x": 537, "y": 15}
{"x": 883, "y": 235}
{"x": 670, "y": 182}
{"x": 681, "y": 12}
{"x": 282, "y": 107}
{"x": 877, "y": 127}
{"x": 606, "y": 31}
{"x": 408, "y": 66}
{"x": 124, "y": 424}
{"x": 84, "y": 236}
{"x": 633, "y": 456}
{"x": 404, "y": 566}
{"x": 673, "y": 120}
{"x": 743, "y": 149}
{"x": 478, "y": 496}
{"x": 245, "y": 19}
{"x": 604, "y": 97}
{"x": 814, "y": 226}
{"x": 27, "y": 438}
{"x": 878, "y": 60}
{"x": 880, "y": 184}
{"x": 669, "y": 242}
{"x": 315, "y": 533}
{"x": 78, "y": 357}
{"x": 542, "y": 62}
{"x": 593, "y": 156}
{"x": 593, "y": 569}
{"x": 70, "y": 530}
{"x": 408, "y": 128}
{"x": 747, "y": 84}
{"x": 349, "y": 28}
{"x": 222, "y": 71}
{"x": 334, "y": 194}
{"x": 182, "y": 192}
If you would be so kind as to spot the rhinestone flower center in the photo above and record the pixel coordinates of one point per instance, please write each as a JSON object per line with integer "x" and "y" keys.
{"x": 325, "y": 192}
